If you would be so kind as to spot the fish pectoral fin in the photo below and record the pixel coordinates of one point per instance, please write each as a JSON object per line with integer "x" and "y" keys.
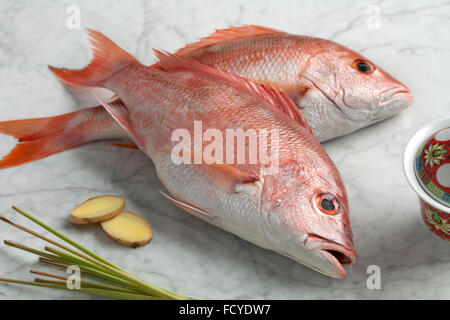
{"x": 296, "y": 93}
{"x": 199, "y": 213}
{"x": 225, "y": 176}
{"x": 228, "y": 177}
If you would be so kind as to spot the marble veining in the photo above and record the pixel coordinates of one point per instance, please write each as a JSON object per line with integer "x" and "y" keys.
{"x": 409, "y": 39}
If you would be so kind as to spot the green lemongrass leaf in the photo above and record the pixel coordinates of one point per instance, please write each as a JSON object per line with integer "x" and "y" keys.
{"x": 68, "y": 261}
{"x": 98, "y": 285}
{"x": 146, "y": 287}
{"x": 92, "y": 262}
{"x": 93, "y": 291}
{"x": 65, "y": 238}
{"x": 86, "y": 283}
{"x": 94, "y": 273}
{"x": 42, "y": 237}
{"x": 77, "y": 259}
{"x": 29, "y": 249}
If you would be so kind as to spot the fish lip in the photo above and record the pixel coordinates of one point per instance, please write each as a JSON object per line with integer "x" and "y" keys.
{"x": 398, "y": 95}
{"x": 337, "y": 254}
{"x": 405, "y": 93}
{"x": 339, "y": 268}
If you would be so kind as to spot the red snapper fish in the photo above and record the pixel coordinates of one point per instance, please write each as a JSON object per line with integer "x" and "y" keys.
{"x": 337, "y": 90}
{"x": 299, "y": 210}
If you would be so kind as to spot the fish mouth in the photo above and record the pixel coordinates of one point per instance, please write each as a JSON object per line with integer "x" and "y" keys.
{"x": 401, "y": 94}
{"x": 337, "y": 255}
{"x": 396, "y": 102}
{"x": 404, "y": 95}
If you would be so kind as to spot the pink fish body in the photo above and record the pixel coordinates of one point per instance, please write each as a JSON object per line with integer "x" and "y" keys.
{"x": 300, "y": 210}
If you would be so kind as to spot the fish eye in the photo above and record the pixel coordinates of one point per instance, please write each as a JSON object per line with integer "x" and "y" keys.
{"x": 327, "y": 203}
{"x": 363, "y": 66}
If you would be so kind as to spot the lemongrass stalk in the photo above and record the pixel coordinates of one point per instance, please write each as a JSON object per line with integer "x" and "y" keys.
{"x": 65, "y": 238}
{"x": 77, "y": 259}
{"x": 29, "y": 249}
{"x": 99, "y": 292}
{"x": 97, "y": 262}
{"x": 53, "y": 263}
{"x": 72, "y": 259}
{"x": 146, "y": 287}
{"x": 66, "y": 259}
{"x": 40, "y": 236}
{"x": 102, "y": 270}
{"x": 47, "y": 274}
{"x": 86, "y": 283}
{"x": 94, "y": 273}
{"x": 63, "y": 260}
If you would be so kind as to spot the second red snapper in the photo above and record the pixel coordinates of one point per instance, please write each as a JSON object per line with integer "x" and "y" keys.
{"x": 299, "y": 210}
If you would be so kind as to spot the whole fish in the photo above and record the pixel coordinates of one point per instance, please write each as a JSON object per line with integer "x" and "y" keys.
{"x": 337, "y": 90}
{"x": 299, "y": 210}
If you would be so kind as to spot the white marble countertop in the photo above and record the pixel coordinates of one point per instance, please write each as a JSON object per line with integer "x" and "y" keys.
{"x": 187, "y": 255}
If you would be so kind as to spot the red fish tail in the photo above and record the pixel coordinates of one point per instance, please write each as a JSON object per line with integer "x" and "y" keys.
{"x": 108, "y": 58}
{"x": 42, "y": 137}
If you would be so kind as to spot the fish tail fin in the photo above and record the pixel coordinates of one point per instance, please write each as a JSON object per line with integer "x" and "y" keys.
{"x": 108, "y": 58}
{"x": 42, "y": 137}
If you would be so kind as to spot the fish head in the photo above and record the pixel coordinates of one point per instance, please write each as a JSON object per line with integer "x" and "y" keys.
{"x": 361, "y": 92}
{"x": 307, "y": 218}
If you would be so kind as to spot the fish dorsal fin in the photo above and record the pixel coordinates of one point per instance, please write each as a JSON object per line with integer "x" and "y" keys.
{"x": 226, "y": 34}
{"x": 172, "y": 62}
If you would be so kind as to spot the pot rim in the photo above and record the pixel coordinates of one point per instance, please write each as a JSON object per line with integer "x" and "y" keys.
{"x": 414, "y": 143}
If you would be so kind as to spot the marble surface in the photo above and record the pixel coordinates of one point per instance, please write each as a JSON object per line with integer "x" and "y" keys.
{"x": 412, "y": 42}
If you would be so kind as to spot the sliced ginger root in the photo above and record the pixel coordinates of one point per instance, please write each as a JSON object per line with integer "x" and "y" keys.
{"x": 128, "y": 229}
{"x": 97, "y": 209}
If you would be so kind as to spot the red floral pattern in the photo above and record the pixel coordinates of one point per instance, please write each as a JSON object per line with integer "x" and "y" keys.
{"x": 437, "y": 221}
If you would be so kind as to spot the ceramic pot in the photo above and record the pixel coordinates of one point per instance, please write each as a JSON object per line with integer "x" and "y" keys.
{"x": 426, "y": 163}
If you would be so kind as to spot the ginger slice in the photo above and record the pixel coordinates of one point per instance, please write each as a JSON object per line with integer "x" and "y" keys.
{"x": 128, "y": 229}
{"x": 97, "y": 209}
